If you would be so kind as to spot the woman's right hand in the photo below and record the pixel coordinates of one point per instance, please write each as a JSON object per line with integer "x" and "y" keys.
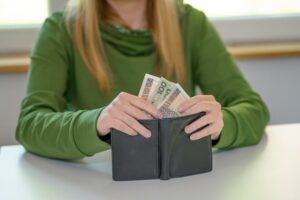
{"x": 122, "y": 114}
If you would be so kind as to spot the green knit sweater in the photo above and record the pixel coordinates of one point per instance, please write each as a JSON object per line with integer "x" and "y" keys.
{"x": 59, "y": 113}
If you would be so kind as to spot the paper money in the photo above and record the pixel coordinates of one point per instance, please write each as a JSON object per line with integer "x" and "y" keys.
{"x": 163, "y": 94}
{"x": 162, "y": 90}
{"x": 183, "y": 92}
{"x": 149, "y": 84}
{"x": 169, "y": 107}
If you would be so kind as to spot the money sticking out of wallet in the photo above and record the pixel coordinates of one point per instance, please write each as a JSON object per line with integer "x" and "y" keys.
{"x": 163, "y": 94}
{"x": 169, "y": 152}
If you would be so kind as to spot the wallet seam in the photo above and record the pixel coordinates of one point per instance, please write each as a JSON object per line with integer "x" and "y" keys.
{"x": 158, "y": 160}
{"x": 170, "y": 153}
{"x": 112, "y": 154}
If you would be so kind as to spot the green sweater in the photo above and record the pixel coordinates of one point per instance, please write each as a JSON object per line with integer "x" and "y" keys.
{"x": 59, "y": 113}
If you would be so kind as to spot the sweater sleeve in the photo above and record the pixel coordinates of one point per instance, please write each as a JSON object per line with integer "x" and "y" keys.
{"x": 244, "y": 113}
{"x": 44, "y": 126}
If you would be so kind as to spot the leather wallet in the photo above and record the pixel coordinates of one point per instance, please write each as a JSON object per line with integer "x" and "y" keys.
{"x": 168, "y": 153}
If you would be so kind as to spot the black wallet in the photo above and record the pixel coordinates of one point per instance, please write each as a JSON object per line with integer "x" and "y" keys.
{"x": 168, "y": 153}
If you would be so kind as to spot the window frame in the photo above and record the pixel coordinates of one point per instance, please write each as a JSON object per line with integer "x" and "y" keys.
{"x": 269, "y": 28}
{"x": 20, "y": 39}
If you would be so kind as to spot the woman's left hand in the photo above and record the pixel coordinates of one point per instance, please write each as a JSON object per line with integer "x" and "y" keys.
{"x": 213, "y": 117}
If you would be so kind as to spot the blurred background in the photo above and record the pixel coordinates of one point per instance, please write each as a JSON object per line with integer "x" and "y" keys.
{"x": 263, "y": 36}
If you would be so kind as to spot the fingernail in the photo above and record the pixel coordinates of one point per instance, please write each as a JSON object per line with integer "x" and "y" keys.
{"x": 148, "y": 134}
{"x": 135, "y": 133}
{"x": 149, "y": 117}
{"x": 187, "y": 129}
{"x": 193, "y": 137}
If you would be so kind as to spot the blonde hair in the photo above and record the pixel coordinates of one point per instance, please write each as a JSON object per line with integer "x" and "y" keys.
{"x": 82, "y": 20}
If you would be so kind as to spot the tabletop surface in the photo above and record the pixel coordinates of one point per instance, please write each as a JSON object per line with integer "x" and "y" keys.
{"x": 269, "y": 170}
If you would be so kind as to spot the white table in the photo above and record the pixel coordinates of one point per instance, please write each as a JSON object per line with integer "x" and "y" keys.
{"x": 270, "y": 170}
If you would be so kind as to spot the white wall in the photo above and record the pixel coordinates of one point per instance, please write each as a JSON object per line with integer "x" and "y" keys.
{"x": 276, "y": 80}
{"x": 12, "y": 90}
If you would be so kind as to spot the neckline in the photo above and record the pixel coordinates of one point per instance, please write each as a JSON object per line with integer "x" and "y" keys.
{"x": 135, "y": 32}
{"x": 121, "y": 33}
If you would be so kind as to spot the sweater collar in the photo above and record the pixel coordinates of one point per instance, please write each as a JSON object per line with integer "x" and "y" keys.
{"x": 128, "y": 42}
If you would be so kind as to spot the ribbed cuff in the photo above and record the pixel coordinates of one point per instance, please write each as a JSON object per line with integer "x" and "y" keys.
{"x": 85, "y": 133}
{"x": 228, "y": 133}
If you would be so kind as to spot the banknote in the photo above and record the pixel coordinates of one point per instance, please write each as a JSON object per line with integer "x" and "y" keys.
{"x": 163, "y": 94}
{"x": 161, "y": 91}
{"x": 169, "y": 107}
{"x": 149, "y": 84}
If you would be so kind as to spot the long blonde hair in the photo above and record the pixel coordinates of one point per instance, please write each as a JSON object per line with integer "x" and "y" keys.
{"x": 82, "y": 20}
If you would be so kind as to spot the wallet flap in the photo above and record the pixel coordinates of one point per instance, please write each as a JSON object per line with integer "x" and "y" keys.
{"x": 135, "y": 157}
{"x": 179, "y": 155}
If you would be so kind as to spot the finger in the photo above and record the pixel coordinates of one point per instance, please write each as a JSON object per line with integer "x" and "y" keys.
{"x": 133, "y": 123}
{"x": 204, "y": 132}
{"x": 121, "y": 126}
{"x": 146, "y": 106}
{"x": 200, "y": 123}
{"x": 140, "y": 103}
{"x": 215, "y": 136}
{"x": 135, "y": 112}
{"x": 200, "y": 107}
{"x": 190, "y": 102}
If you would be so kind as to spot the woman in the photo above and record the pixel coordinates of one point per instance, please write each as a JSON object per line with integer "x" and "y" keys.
{"x": 88, "y": 64}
